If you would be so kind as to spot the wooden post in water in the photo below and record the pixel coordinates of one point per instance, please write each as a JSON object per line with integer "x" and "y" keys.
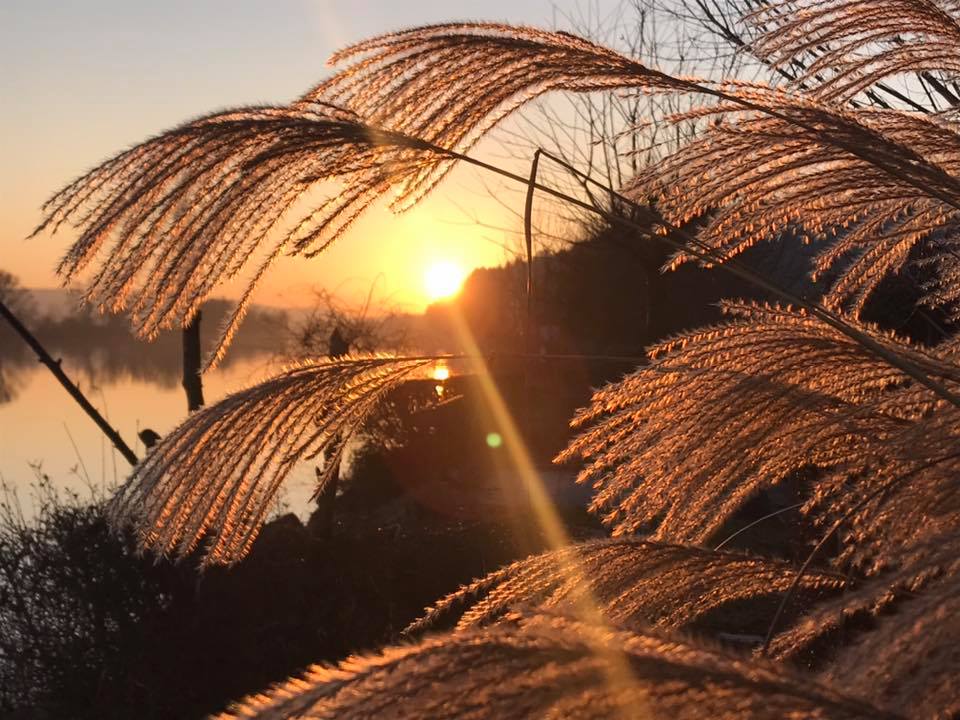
{"x": 192, "y": 380}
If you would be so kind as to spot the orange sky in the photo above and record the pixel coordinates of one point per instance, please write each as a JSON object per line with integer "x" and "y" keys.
{"x": 390, "y": 250}
{"x": 83, "y": 81}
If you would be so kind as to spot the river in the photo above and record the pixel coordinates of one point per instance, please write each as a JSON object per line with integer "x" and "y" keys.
{"x": 43, "y": 430}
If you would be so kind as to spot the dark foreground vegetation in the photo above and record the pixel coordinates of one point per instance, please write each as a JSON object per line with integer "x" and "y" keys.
{"x": 93, "y": 631}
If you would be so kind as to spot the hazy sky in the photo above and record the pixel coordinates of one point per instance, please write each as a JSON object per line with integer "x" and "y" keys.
{"x": 84, "y": 79}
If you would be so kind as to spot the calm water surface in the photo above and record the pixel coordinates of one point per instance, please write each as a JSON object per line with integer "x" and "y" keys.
{"x": 43, "y": 427}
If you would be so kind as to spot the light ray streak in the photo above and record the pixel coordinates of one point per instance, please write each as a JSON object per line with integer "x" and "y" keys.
{"x": 617, "y": 671}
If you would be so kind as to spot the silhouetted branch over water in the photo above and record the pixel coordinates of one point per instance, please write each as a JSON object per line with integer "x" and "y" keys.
{"x": 71, "y": 387}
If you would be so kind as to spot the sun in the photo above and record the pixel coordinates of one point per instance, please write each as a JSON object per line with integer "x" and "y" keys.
{"x": 442, "y": 279}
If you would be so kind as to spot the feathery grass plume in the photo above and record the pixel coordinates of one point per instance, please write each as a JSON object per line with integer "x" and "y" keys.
{"x": 217, "y": 473}
{"x": 181, "y": 212}
{"x": 725, "y": 411}
{"x": 939, "y": 277}
{"x": 845, "y": 47}
{"x": 636, "y": 582}
{"x": 873, "y": 183}
{"x": 903, "y": 513}
{"x": 809, "y": 638}
{"x": 909, "y": 662}
{"x": 450, "y": 83}
{"x": 549, "y": 666}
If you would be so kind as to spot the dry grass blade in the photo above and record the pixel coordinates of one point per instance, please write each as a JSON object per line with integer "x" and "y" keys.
{"x": 810, "y": 640}
{"x": 903, "y": 513}
{"x": 216, "y": 474}
{"x": 872, "y": 184}
{"x": 909, "y": 662}
{"x": 847, "y": 46}
{"x": 177, "y": 214}
{"x": 636, "y": 582}
{"x": 726, "y": 411}
{"x": 941, "y": 286}
{"x": 450, "y": 83}
{"x": 547, "y": 666}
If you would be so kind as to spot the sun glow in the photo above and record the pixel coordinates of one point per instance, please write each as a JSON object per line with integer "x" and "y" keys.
{"x": 442, "y": 279}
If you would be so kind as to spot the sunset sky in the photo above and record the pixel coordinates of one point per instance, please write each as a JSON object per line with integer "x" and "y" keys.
{"x": 83, "y": 80}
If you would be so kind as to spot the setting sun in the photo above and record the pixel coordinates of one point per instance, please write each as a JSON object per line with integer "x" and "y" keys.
{"x": 442, "y": 279}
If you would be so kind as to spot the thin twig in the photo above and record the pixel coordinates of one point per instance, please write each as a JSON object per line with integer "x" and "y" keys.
{"x": 757, "y": 522}
{"x": 76, "y": 451}
{"x": 528, "y": 239}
